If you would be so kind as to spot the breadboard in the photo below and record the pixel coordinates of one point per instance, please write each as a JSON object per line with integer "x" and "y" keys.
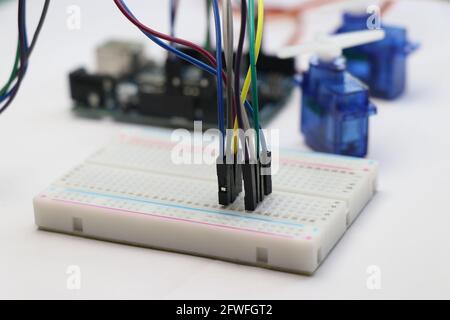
{"x": 131, "y": 192}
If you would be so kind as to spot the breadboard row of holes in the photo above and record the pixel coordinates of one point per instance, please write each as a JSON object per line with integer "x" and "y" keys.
{"x": 150, "y": 140}
{"x": 294, "y": 175}
{"x": 189, "y": 199}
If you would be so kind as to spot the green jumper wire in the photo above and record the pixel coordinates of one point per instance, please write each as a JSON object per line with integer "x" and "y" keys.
{"x": 255, "y": 102}
{"x": 13, "y": 74}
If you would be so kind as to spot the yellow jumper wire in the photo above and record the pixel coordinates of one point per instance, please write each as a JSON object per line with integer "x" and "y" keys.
{"x": 247, "y": 82}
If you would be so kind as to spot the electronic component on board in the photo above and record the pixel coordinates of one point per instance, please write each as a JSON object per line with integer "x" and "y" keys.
{"x": 173, "y": 94}
{"x": 120, "y": 58}
{"x": 92, "y": 90}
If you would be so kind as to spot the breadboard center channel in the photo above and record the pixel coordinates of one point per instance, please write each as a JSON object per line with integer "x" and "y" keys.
{"x": 132, "y": 192}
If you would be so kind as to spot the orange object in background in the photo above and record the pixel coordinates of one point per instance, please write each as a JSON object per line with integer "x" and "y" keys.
{"x": 296, "y": 12}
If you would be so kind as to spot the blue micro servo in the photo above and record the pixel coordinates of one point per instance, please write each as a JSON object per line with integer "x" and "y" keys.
{"x": 382, "y": 65}
{"x": 335, "y": 104}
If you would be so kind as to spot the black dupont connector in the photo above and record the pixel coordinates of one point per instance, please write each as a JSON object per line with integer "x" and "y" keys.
{"x": 229, "y": 177}
{"x": 266, "y": 171}
{"x": 257, "y": 180}
{"x": 224, "y": 179}
{"x": 249, "y": 171}
{"x": 256, "y": 175}
{"x": 237, "y": 188}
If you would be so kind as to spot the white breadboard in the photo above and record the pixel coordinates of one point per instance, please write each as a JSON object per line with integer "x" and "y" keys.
{"x": 131, "y": 192}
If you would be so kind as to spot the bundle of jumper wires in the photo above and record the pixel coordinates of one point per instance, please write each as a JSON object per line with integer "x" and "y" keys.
{"x": 9, "y": 91}
{"x": 243, "y": 154}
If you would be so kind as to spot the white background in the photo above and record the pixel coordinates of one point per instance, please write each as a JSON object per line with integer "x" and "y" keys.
{"x": 405, "y": 230}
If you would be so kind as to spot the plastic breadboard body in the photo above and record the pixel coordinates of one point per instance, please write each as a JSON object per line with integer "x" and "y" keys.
{"x": 131, "y": 192}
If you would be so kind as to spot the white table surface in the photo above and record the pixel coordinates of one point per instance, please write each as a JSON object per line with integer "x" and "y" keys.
{"x": 405, "y": 230}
